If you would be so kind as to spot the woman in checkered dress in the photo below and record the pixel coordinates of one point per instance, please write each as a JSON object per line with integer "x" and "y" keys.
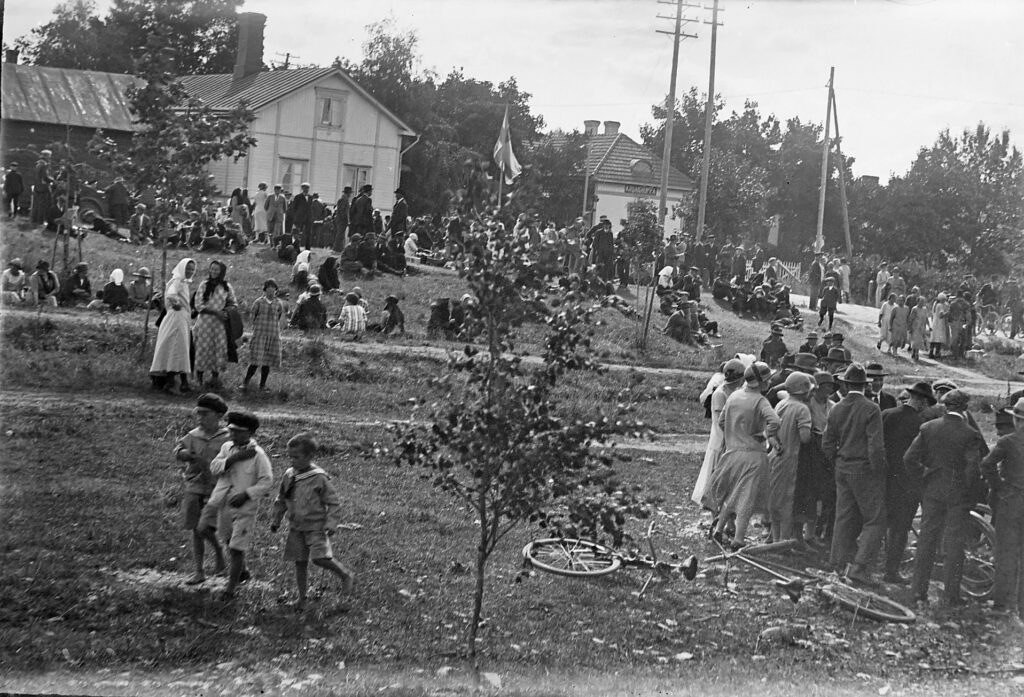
{"x": 209, "y": 332}
{"x": 265, "y": 344}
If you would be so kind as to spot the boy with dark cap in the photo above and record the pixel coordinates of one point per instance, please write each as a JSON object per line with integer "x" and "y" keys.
{"x": 195, "y": 450}
{"x": 774, "y": 348}
{"x": 244, "y": 477}
{"x": 313, "y": 509}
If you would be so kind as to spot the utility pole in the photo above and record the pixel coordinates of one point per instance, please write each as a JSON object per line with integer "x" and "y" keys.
{"x": 842, "y": 177}
{"x": 709, "y": 117}
{"x": 819, "y": 238}
{"x": 670, "y": 103}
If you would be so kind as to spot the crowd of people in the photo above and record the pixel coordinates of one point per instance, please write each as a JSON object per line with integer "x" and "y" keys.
{"x": 828, "y": 458}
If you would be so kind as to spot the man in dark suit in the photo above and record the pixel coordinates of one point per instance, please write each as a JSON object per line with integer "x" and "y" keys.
{"x": 900, "y": 426}
{"x": 119, "y": 201}
{"x": 341, "y": 219}
{"x": 876, "y": 392}
{"x": 14, "y": 187}
{"x": 854, "y": 443}
{"x": 814, "y": 278}
{"x": 400, "y": 213}
{"x": 275, "y": 207}
{"x": 947, "y": 452}
{"x": 302, "y": 216}
{"x": 360, "y": 215}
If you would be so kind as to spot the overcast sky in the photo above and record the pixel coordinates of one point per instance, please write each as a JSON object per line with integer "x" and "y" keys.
{"x": 905, "y": 69}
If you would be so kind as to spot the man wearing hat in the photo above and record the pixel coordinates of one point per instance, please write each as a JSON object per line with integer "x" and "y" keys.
{"x": 774, "y": 348}
{"x": 76, "y": 287}
{"x": 341, "y": 211}
{"x": 815, "y": 482}
{"x": 14, "y": 187}
{"x": 42, "y": 198}
{"x": 947, "y": 452}
{"x": 837, "y": 342}
{"x": 691, "y": 284}
{"x": 602, "y": 249}
{"x": 140, "y": 225}
{"x": 876, "y": 392}
{"x": 806, "y": 363}
{"x": 119, "y": 201}
{"x": 811, "y": 345}
{"x": 301, "y": 209}
{"x": 244, "y": 476}
{"x": 400, "y": 213}
{"x": 900, "y": 426}
{"x": 739, "y": 264}
{"x": 140, "y": 290}
{"x": 43, "y": 286}
{"x": 1003, "y": 468}
{"x": 360, "y": 214}
{"x": 854, "y": 444}
{"x": 835, "y": 361}
{"x": 829, "y": 302}
{"x": 815, "y": 277}
{"x": 275, "y": 206}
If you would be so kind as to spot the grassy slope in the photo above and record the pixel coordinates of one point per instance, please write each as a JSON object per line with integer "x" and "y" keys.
{"x": 91, "y": 547}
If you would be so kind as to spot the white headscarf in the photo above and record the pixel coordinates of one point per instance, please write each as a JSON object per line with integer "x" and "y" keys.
{"x": 179, "y": 271}
{"x": 117, "y": 277}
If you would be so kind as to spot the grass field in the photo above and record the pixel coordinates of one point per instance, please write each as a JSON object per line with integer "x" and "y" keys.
{"x": 91, "y": 585}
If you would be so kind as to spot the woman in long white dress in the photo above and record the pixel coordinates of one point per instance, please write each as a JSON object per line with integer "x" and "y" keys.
{"x": 259, "y": 213}
{"x": 940, "y": 328}
{"x": 733, "y": 380}
{"x": 173, "y": 339}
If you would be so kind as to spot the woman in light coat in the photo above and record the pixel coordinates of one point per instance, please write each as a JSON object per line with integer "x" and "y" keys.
{"x": 173, "y": 339}
{"x": 940, "y": 327}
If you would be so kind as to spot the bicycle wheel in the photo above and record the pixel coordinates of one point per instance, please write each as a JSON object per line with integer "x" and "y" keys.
{"x": 569, "y": 557}
{"x": 979, "y": 561}
{"x": 867, "y": 604}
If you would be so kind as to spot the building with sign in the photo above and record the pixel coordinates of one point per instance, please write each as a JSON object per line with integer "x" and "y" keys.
{"x": 622, "y": 171}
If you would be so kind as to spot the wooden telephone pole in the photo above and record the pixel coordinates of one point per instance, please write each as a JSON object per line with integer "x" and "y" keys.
{"x": 819, "y": 238}
{"x": 842, "y": 177}
{"x": 709, "y": 118}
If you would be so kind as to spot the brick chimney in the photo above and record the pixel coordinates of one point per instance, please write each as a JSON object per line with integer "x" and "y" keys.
{"x": 590, "y": 127}
{"x": 250, "y": 44}
{"x": 611, "y": 128}
{"x": 11, "y": 55}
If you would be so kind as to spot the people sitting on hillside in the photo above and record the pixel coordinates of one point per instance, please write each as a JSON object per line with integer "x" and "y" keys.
{"x": 140, "y": 290}
{"x": 15, "y": 282}
{"x": 43, "y": 286}
{"x": 327, "y": 275}
{"x": 310, "y": 313}
{"x": 114, "y": 296}
{"x": 76, "y": 288}
{"x": 721, "y": 288}
{"x": 391, "y": 318}
{"x": 140, "y": 225}
{"x": 352, "y": 318}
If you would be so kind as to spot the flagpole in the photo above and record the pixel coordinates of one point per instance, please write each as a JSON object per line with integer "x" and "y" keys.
{"x": 501, "y": 180}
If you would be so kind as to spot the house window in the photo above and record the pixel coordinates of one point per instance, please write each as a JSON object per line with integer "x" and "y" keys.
{"x": 292, "y": 174}
{"x": 356, "y": 176}
{"x": 330, "y": 109}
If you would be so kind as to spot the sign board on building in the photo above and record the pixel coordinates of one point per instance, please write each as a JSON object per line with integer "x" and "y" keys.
{"x": 642, "y": 190}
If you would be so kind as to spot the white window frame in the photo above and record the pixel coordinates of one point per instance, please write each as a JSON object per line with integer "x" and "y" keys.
{"x": 336, "y": 102}
{"x": 358, "y": 175}
{"x": 293, "y": 183}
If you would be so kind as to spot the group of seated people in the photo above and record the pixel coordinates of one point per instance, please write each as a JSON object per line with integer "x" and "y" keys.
{"x": 366, "y": 255}
{"x": 353, "y": 321}
{"x": 44, "y": 288}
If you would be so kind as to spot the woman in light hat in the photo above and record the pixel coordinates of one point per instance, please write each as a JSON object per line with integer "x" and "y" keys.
{"x": 940, "y": 328}
{"x": 737, "y": 487}
{"x": 15, "y": 281}
{"x": 732, "y": 380}
{"x": 140, "y": 290}
{"x": 918, "y": 329}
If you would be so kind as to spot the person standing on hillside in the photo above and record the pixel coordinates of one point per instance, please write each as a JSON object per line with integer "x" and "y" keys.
{"x": 855, "y": 444}
{"x": 360, "y": 216}
{"x": 881, "y": 281}
{"x": 400, "y": 213}
{"x": 794, "y": 433}
{"x": 733, "y": 372}
{"x": 275, "y": 206}
{"x": 14, "y": 187}
{"x": 947, "y": 452}
{"x": 42, "y": 199}
{"x": 301, "y": 209}
{"x": 119, "y": 201}
{"x": 829, "y": 302}
{"x": 815, "y": 277}
{"x": 260, "y": 225}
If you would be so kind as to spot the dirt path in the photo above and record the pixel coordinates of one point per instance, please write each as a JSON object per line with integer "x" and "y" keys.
{"x": 40, "y": 400}
{"x": 860, "y": 323}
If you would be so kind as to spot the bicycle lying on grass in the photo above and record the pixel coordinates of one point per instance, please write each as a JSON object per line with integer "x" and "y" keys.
{"x": 564, "y": 556}
{"x": 794, "y": 582}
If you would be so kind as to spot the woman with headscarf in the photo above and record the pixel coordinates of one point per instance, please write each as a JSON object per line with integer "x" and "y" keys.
{"x": 171, "y": 356}
{"x": 738, "y": 485}
{"x": 114, "y": 295}
{"x": 213, "y": 298}
{"x": 412, "y": 250}
{"x": 940, "y": 329}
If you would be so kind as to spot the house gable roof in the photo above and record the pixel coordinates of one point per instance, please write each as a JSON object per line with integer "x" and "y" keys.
{"x": 85, "y": 98}
{"x": 223, "y": 92}
{"x": 613, "y": 158}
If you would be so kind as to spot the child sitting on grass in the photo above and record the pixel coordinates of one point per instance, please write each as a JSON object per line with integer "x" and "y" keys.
{"x": 195, "y": 450}
{"x": 313, "y": 511}
{"x": 352, "y": 319}
{"x": 245, "y": 476}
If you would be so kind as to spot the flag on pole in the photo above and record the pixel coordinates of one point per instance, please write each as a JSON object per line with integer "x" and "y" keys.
{"x": 503, "y": 155}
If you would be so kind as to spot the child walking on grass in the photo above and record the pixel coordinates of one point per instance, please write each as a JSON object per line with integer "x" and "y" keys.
{"x": 195, "y": 450}
{"x": 244, "y": 477}
{"x": 313, "y": 511}
{"x": 265, "y": 344}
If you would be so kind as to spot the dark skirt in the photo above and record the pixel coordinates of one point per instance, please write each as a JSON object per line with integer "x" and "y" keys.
{"x": 813, "y": 480}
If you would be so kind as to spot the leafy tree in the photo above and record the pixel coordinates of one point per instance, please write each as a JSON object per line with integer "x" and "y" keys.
{"x": 200, "y": 34}
{"x": 179, "y": 137}
{"x": 496, "y": 443}
{"x": 552, "y": 183}
{"x": 640, "y": 239}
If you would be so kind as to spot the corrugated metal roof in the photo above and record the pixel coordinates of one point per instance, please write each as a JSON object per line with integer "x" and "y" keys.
{"x": 67, "y": 97}
{"x": 610, "y": 158}
{"x": 223, "y": 91}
